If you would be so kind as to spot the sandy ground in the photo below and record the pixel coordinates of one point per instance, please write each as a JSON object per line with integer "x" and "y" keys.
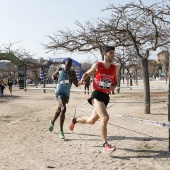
{"x": 27, "y": 144}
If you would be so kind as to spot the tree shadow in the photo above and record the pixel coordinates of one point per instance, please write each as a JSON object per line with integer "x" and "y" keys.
{"x": 136, "y": 138}
{"x": 144, "y": 153}
{"x": 130, "y": 130}
{"x": 111, "y": 138}
{"x": 83, "y": 134}
{"x": 7, "y": 98}
{"x": 125, "y": 102}
{"x": 3, "y": 101}
{"x": 159, "y": 114}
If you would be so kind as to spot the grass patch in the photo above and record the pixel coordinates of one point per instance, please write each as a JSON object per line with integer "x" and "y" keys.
{"x": 146, "y": 150}
{"x": 6, "y": 118}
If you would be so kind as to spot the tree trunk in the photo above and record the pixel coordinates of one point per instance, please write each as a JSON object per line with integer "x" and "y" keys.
{"x": 169, "y": 104}
{"x": 35, "y": 75}
{"x": 136, "y": 77}
{"x": 127, "y": 80}
{"x": 119, "y": 80}
{"x": 131, "y": 84}
{"x": 25, "y": 78}
{"x": 146, "y": 86}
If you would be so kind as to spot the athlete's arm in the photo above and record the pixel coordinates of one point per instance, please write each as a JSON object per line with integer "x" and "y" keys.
{"x": 56, "y": 73}
{"x": 74, "y": 78}
{"x": 93, "y": 69}
{"x": 113, "y": 86}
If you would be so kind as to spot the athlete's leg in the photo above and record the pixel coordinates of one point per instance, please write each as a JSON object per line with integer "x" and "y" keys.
{"x": 100, "y": 109}
{"x": 1, "y": 94}
{"x": 57, "y": 113}
{"x": 88, "y": 89}
{"x": 11, "y": 89}
{"x": 84, "y": 120}
{"x": 85, "y": 89}
{"x": 2, "y": 88}
{"x": 62, "y": 113}
{"x": 88, "y": 120}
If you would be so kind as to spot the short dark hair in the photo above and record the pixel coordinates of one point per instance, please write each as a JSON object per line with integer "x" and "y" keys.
{"x": 108, "y": 48}
{"x": 67, "y": 60}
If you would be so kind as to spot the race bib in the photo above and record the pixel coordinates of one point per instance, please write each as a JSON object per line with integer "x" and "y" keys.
{"x": 105, "y": 84}
{"x": 64, "y": 82}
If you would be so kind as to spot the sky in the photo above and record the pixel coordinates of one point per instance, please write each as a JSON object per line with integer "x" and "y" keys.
{"x": 30, "y": 22}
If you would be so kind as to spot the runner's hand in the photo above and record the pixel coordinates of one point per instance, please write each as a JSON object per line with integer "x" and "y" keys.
{"x": 112, "y": 88}
{"x": 81, "y": 82}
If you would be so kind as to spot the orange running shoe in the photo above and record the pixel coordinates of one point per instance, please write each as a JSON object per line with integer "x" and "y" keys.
{"x": 72, "y": 124}
{"x": 108, "y": 148}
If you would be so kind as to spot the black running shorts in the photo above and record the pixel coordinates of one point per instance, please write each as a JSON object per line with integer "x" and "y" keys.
{"x": 63, "y": 97}
{"x": 100, "y": 96}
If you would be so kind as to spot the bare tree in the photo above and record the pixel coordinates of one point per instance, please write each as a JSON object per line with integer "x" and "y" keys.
{"x": 143, "y": 28}
{"x": 87, "y": 38}
{"x": 21, "y": 58}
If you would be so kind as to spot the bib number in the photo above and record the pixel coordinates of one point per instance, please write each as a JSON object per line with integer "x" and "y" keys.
{"x": 64, "y": 82}
{"x": 105, "y": 84}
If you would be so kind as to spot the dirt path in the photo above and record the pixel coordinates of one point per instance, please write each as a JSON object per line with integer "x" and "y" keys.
{"x": 27, "y": 144}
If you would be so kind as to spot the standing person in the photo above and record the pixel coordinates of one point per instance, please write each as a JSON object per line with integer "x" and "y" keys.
{"x": 5, "y": 81}
{"x": 2, "y": 87}
{"x": 86, "y": 85}
{"x": 10, "y": 83}
{"x": 65, "y": 77}
{"x": 104, "y": 81}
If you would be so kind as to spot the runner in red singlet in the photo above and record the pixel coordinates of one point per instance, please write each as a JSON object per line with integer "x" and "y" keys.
{"x": 105, "y": 81}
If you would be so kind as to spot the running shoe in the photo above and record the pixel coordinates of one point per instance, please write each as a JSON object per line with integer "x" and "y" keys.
{"x": 72, "y": 124}
{"x": 108, "y": 148}
{"x": 51, "y": 126}
{"x": 61, "y": 135}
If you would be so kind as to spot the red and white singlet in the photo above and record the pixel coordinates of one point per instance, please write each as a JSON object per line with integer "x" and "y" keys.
{"x": 104, "y": 78}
